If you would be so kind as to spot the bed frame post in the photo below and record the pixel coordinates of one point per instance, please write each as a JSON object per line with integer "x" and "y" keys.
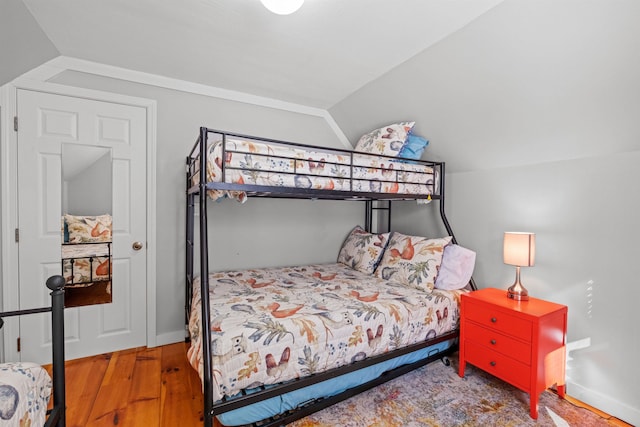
{"x": 443, "y": 215}
{"x": 368, "y": 215}
{"x": 204, "y": 285}
{"x": 56, "y": 284}
{"x": 189, "y": 251}
{"x": 445, "y": 221}
{"x": 372, "y": 206}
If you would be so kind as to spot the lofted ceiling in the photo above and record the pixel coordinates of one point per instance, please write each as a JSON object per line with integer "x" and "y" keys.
{"x": 315, "y": 57}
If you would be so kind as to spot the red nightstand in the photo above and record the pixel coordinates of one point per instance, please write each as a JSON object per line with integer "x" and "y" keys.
{"x": 520, "y": 342}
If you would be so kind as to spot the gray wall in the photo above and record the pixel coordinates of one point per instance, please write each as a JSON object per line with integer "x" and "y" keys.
{"x": 79, "y": 195}
{"x": 23, "y": 44}
{"x": 535, "y": 108}
{"x": 257, "y": 233}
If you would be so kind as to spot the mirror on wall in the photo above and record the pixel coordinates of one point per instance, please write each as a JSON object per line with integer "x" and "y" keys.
{"x": 87, "y": 224}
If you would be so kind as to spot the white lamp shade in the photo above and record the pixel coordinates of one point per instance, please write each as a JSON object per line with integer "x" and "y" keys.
{"x": 519, "y": 249}
{"x": 282, "y": 7}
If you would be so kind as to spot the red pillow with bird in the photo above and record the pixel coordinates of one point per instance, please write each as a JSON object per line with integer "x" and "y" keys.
{"x": 412, "y": 260}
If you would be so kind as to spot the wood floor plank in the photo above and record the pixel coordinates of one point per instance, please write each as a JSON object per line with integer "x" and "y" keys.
{"x": 195, "y": 388}
{"x": 113, "y": 396}
{"x": 83, "y": 379}
{"x": 180, "y": 404}
{"x": 143, "y": 408}
{"x": 86, "y": 378}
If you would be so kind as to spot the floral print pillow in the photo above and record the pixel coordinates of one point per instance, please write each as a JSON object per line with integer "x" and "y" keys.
{"x": 87, "y": 229}
{"x": 412, "y": 260}
{"x": 362, "y": 250}
{"x": 387, "y": 141}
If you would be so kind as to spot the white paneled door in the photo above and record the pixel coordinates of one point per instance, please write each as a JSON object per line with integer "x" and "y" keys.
{"x": 47, "y": 123}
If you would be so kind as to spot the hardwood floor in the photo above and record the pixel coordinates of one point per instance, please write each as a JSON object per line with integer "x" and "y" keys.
{"x": 139, "y": 387}
{"x": 146, "y": 387}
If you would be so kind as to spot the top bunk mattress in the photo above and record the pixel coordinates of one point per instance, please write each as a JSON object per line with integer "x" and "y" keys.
{"x": 273, "y": 325}
{"x": 273, "y": 164}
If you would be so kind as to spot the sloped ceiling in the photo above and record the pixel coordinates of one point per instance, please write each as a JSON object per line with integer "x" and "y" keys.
{"x": 315, "y": 57}
{"x": 23, "y": 53}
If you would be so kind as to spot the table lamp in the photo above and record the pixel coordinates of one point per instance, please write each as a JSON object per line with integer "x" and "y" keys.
{"x": 519, "y": 249}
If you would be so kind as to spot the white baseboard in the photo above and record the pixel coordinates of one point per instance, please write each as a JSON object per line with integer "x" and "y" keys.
{"x": 170, "y": 338}
{"x": 604, "y": 403}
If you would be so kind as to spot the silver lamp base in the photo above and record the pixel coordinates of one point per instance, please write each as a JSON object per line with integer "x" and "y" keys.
{"x": 516, "y": 291}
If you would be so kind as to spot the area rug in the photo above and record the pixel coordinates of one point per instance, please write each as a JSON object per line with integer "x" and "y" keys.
{"x": 435, "y": 395}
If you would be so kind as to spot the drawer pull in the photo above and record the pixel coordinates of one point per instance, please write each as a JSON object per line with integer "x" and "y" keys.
{"x": 494, "y": 320}
{"x": 493, "y": 342}
{"x": 492, "y": 363}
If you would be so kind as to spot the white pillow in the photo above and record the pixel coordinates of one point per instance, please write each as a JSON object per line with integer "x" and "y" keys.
{"x": 456, "y": 268}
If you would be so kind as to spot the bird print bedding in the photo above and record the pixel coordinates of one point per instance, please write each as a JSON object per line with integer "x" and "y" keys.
{"x": 25, "y": 389}
{"x": 86, "y": 249}
{"x": 84, "y": 264}
{"x": 278, "y": 165}
{"x": 277, "y": 324}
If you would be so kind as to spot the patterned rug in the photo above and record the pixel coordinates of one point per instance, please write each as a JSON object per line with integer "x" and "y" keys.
{"x": 436, "y": 396}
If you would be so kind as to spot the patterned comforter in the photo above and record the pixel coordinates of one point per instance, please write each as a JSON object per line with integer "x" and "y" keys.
{"x": 84, "y": 264}
{"x": 274, "y": 325}
{"x": 24, "y": 394}
{"x": 86, "y": 249}
{"x": 258, "y": 163}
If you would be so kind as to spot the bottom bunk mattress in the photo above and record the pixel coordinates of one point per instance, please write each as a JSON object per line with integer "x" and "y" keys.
{"x": 24, "y": 394}
{"x": 273, "y": 325}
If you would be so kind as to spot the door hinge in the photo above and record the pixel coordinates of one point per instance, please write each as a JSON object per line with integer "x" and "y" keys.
{"x": 17, "y": 235}
{"x": 18, "y": 342}
{"x": 15, "y": 123}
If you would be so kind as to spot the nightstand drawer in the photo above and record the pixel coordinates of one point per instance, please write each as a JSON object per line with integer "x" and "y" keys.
{"x": 497, "y": 364}
{"x": 496, "y": 341}
{"x": 493, "y": 318}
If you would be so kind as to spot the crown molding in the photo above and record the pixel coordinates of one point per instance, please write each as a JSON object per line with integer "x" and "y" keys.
{"x": 60, "y": 64}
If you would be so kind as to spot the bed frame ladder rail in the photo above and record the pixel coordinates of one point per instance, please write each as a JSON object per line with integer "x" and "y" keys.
{"x": 377, "y": 206}
{"x": 204, "y": 284}
{"x": 190, "y": 243}
{"x": 445, "y": 221}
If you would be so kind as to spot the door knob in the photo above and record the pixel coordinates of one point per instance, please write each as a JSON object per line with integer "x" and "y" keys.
{"x": 137, "y": 246}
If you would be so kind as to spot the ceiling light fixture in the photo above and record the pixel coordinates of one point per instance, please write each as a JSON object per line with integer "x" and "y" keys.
{"x": 282, "y": 7}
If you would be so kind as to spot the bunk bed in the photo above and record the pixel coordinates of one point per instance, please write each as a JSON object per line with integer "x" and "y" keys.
{"x": 25, "y": 388}
{"x": 254, "y": 340}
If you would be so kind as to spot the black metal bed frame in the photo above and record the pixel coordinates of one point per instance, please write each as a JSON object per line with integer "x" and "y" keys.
{"x": 91, "y": 259}
{"x": 56, "y": 415}
{"x": 197, "y": 193}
